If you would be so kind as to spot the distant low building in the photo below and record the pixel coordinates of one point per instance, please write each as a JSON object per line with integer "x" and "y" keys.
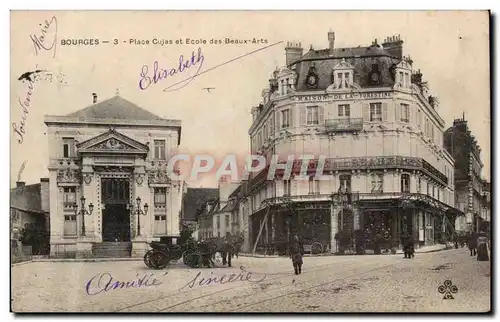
{"x": 29, "y": 209}
{"x": 193, "y": 202}
{"x": 216, "y": 217}
{"x": 205, "y": 217}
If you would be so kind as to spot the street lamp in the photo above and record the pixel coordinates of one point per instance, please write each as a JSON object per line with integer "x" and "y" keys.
{"x": 83, "y": 212}
{"x": 139, "y": 212}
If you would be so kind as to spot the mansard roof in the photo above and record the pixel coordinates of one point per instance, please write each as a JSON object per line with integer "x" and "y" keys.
{"x": 116, "y": 108}
{"x": 380, "y": 58}
{"x": 116, "y": 112}
{"x": 346, "y": 52}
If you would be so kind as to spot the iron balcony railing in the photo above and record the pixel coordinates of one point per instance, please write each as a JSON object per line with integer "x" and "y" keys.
{"x": 344, "y": 125}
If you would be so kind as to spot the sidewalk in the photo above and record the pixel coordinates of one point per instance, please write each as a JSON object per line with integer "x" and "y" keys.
{"x": 424, "y": 249}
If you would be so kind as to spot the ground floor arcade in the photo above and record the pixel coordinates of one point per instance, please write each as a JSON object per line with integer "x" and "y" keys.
{"x": 372, "y": 223}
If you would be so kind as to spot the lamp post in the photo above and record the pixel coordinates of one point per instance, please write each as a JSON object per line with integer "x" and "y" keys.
{"x": 83, "y": 212}
{"x": 139, "y": 212}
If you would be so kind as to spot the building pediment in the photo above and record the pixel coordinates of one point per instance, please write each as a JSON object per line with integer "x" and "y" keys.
{"x": 343, "y": 65}
{"x": 112, "y": 142}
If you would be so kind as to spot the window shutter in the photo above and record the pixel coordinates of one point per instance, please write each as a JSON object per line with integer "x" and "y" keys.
{"x": 412, "y": 114}
{"x": 277, "y": 120}
{"x": 384, "y": 112}
{"x": 302, "y": 115}
{"x": 398, "y": 108}
{"x": 290, "y": 115}
{"x": 321, "y": 115}
{"x": 366, "y": 112}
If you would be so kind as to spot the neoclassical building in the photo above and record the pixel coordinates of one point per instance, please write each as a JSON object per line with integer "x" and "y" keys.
{"x": 109, "y": 160}
{"x": 371, "y": 116}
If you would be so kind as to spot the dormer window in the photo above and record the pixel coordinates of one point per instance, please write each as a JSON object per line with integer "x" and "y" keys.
{"x": 343, "y": 75}
{"x": 286, "y": 81}
{"x": 403, "y": 74}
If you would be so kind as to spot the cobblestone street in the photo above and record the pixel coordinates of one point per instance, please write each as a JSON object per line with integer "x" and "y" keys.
{"x": 384, "y": 283}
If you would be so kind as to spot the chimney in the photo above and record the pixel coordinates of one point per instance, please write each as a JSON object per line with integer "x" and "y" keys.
{"x": 394, "y": 45}
{"x": 293, "y": 52}
{"x": 20, "y": 184}
{"x": 94, "y": 98}
{"x": 331, "y": 42}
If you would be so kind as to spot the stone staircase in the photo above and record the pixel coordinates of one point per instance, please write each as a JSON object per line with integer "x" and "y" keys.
{"x": 112, "y": 249}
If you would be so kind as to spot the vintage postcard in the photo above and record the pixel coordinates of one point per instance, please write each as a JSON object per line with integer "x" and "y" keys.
{"x": 250, "y": 161}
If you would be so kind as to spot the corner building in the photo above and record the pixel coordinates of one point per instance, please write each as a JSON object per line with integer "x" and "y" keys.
{"x": 373, "y": 118}
{"x": 111, "y": 153}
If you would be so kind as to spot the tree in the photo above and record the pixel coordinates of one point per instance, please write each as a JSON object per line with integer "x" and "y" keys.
{"x": 36, "y": 236}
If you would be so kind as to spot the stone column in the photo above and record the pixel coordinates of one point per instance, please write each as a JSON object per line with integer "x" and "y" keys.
{"x": 414, "y": 220}
{"x": 86, "y": 190}
{"x": 357, "y": 214}
{"x": 174, "y": 210}
{"x": 334, "y": 227}
{"x": 395, "y": 228}
{"x": 56, "y": 214}
{"x": 139, "y": 182}
{"x": 273, "y": 229}
{"x": 249, "y": 240}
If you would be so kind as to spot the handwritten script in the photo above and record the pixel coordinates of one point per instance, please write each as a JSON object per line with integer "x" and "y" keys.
{"x": 159, "y": 74}
{"x": 48, "y": 31}
{"x": 211, "y": 279}
{"x": 24, "y": 104}
{"x": 104, "y": 282}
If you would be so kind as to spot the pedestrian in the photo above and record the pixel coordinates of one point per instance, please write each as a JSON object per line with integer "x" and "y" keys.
{"x": 297, "y": 251}
{"x": 472, "y": 243}
{"x": 408, "y": 246}
{"x": 482, "y": 247}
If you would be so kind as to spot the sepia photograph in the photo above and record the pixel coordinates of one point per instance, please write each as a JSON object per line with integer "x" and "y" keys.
{"x": 250, "y": 161}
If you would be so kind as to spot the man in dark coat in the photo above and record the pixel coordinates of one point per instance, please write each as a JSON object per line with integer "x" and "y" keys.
{"x": 409, "y": 246}
{"x": 472, "y": 243}
{"x": 297, "y": 250}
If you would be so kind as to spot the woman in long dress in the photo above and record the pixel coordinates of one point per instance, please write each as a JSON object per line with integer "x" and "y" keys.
{"x": 482, "y": 247}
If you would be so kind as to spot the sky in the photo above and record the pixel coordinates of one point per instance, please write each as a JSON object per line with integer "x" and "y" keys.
{"x": 451, "y": 48}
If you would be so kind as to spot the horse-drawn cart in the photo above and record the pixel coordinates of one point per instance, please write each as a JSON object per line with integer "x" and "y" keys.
{"x": 193, "y": 254}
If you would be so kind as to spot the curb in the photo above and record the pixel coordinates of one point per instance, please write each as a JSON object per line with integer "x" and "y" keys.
{"x": 332, "y": 254}
{"x": 77, "y": 260}
{"x": 21, "y": 263}
{"x": 135, "y": 259}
